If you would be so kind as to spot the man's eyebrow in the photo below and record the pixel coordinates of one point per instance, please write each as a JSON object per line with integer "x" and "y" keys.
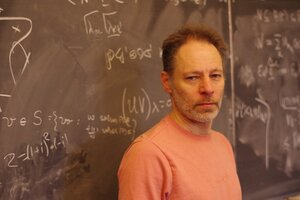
{"x": 199, "y": 72}
{"x": 218, "y": 69}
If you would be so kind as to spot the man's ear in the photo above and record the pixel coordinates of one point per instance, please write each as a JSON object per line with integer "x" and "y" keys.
{"x": 166, "y": 81}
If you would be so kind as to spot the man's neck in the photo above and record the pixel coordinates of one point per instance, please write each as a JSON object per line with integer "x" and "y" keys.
{"x": 197, "y": 128}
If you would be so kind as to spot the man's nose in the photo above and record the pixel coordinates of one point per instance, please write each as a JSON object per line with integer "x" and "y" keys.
{"x": 206, "y": 87}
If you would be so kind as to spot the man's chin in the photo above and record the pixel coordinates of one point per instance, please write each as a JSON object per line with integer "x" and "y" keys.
{"x": 204, "y": 111}
{"x": 203, "y": 117}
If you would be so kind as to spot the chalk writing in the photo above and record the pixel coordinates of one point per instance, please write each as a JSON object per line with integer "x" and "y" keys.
{"x": 72, "y": 2}
{"x": 96, "y": 24}
{"x": 225, "y": 1}
{"x": 112, "y": 30}
{"x": 17, "y": 44}
{"x": 96, "y": 124}
{"x": 196, "y": 2}
{"x": 277, "y": 15}
{"x": 278, "y": 42}
{"x": 120, "y": 125}
{"x": 117, "y": 131}
{"x": 255, "y": 112}
{"x": 261, "y": 112}
{"x": 291, "y": 146}
{"x": 269, "y": 70}
{"x": 46, "y": 147}
{"x": 292, "y": 121}
{"x": 290, "y": 103}
{"x": 10, "y": 121}
{"x": 103, "y": 3}
{"x": 95, "y": 29}
{"x": 122, "y": 54}
{"x": 59, "y": 120}
{"x": 20, "y": 185}
{"x": 126, "y": 125}
{"x": 142, "y": 104}
{"x": 273, "y": 69}
{"x": 267, "y": 133}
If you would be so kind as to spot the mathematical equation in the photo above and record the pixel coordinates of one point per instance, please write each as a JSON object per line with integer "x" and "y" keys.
{"x": 102, "y": 24}
{"x": 281, "y": 60}
{"x": 57, "y": 139}
{"x": 57, "y": 123}
{"x": 46, "y": 147}
{"x": 262, "y": 112}
{"x": 97, "y": 24}
{"x": 37, "y": 120}
{"x": 122, "y": 54}
{"x": 142, "y": 104}
{"x": 277, "y": 15}
{"x": 292, "y": 105}
{"x": 279, "y": 42}
{"x": 273, "y": 69}
{"x": 258, "y": 112}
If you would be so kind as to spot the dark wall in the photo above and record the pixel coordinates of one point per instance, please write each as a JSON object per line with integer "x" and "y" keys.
{"x": 79, "y": 80}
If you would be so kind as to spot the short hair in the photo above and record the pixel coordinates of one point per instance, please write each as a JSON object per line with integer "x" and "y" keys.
{"x": 189, "y": 32}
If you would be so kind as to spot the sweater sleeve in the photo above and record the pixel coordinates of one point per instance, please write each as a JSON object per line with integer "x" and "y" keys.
{"x": 144, "y": 173}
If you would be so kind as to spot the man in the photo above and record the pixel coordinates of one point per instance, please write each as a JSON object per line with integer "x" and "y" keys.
{"x": 182, "y": 158}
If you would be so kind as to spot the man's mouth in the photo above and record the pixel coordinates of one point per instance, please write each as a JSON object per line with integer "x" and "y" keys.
{"x": 207, "y": 105}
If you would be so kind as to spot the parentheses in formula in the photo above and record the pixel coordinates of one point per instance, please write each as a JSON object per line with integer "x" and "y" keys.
{"x": 149, "y": 103}
{"x": 123, "y": 102}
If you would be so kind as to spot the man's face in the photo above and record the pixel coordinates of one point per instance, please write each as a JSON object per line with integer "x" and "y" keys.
{"x": 197, "y": 83}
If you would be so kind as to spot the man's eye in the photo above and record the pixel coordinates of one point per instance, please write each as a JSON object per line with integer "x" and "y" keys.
{"x": 216, "y": 76}
{"x": 192, "y": 78}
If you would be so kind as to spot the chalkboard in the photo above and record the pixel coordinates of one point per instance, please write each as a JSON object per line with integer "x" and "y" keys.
{"x": 79, "y": 80}
{"x": 267, "y": 96}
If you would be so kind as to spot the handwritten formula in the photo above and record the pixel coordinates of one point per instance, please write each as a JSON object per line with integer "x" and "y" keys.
{"x": 270, "y": 72}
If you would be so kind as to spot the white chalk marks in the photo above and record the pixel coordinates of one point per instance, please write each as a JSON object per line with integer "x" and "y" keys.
{"x": 98, "y": 24}
{"x": 16, "y": 74}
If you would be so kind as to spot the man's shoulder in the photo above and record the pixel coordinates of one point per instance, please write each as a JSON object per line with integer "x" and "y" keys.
{"x": 143, "y": 149}
{"x": 156, "y": 131}
{"x": 222, "y": 139}
{"x": 148, "y": 141}
{"x": 218, "y": 134}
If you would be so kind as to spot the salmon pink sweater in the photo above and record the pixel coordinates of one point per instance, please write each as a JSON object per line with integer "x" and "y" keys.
{"x": 170, "y": 163}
